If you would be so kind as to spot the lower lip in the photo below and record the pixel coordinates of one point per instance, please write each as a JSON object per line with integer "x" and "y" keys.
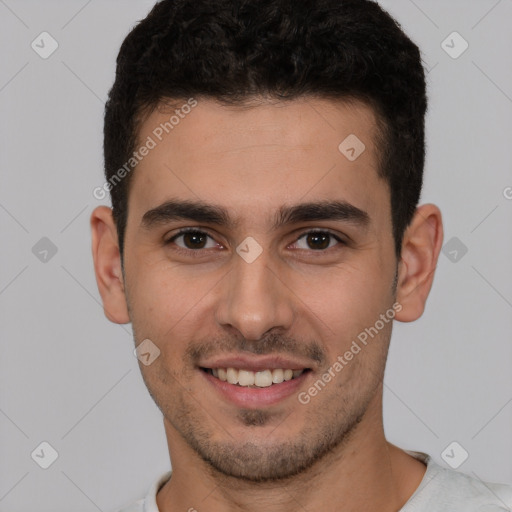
{"x": 253, "y": 398}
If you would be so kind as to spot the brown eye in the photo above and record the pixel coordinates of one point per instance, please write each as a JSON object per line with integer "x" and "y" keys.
{"x": 193, "y": 240}
{"x": 317, "y": 241}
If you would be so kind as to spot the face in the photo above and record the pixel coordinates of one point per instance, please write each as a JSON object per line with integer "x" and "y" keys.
{"x": 254, "y": 249}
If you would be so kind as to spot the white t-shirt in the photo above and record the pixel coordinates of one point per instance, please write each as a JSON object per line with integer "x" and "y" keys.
{"x": 441, "y": 490}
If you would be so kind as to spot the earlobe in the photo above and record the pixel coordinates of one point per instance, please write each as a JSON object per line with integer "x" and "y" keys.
{"x": 420, "y": 252}
{"x": 107, "y": 265}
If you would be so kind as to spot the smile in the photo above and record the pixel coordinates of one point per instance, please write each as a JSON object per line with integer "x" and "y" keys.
{"x": 258, "y": 379}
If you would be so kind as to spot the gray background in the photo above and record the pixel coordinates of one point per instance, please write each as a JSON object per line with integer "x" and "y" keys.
{"x": 69, "y": 377}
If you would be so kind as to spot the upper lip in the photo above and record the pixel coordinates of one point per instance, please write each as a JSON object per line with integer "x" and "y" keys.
{"x": 255, "y": 363}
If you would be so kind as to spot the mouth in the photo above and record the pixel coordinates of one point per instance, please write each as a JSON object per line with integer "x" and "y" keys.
{"x": 255, "y": 381}
{"x": 264, "y": 378}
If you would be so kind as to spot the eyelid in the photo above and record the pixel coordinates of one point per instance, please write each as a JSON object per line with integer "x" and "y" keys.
{"x": 320, "y": 230}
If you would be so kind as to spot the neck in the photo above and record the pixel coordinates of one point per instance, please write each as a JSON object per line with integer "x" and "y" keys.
{"x": 363, "y": 473}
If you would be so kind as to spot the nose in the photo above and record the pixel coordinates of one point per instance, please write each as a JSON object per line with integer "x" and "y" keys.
{"x": 255, "y": 298}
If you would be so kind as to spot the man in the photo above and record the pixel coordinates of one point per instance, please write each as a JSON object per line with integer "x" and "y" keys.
{"x": 265, "y": 163}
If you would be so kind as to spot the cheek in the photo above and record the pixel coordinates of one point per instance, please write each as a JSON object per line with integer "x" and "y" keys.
{"x": 168, "y": 303}
{"x": 347, "y": 298}
{"x": 155, "y": 299}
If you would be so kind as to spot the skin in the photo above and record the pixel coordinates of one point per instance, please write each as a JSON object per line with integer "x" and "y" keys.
{"x": 298, "y": 298}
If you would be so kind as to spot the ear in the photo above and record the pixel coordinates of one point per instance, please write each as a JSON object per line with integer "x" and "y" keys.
{"x": 107, "y": 265}
{"x": 420, "y": 251}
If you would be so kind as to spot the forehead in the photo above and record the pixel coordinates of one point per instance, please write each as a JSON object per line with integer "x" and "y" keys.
{"x": 257, "y": 157}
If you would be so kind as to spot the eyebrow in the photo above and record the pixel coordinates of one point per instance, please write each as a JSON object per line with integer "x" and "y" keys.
{"x": 201, "y": 212}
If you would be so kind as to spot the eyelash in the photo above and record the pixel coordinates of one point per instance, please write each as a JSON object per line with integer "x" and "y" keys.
{"x": 200, "y": 252}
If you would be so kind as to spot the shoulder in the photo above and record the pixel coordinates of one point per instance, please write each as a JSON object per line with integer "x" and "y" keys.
{"x": 138, "y": 506}
{"x": 460, "y": 487}
{"x": 443, "y": 489}
{"x": 148, "y": 503}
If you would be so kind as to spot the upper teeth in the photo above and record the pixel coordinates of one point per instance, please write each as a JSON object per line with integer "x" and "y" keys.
{"x": 260, "y": 379}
